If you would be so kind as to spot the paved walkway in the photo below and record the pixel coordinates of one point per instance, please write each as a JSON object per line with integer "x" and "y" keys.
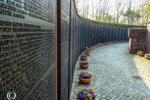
{"x": 118, "y": 75}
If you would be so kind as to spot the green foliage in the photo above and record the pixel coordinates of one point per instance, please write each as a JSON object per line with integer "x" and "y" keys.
{"x": 132, "y": 16}
{"x": 110, "y": 24}
{"x": 148, "y": 8}
{"x": 106, "y": 18}
{"x": 126, "y": 12}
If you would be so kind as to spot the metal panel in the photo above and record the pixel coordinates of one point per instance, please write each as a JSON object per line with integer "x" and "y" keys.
{"x": 27, "y": 44}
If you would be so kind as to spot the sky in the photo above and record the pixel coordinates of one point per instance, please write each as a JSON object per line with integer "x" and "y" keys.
{"x": 111, "y": 5}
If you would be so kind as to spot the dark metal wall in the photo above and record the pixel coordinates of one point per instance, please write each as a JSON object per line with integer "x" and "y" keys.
{"x": 65, "y": 22}
{"x": 27, "y": 49}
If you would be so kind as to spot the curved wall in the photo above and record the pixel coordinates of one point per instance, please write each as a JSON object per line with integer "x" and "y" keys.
{"x": 83, "y": 34}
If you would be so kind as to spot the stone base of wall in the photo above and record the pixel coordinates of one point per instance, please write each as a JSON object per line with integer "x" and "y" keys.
{"x": 137, "y": 40}
{"x": 148, "y": 39}
{"x": 136, "y": 45}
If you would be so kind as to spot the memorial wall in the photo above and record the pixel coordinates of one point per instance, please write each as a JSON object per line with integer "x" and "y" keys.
{"x": 27, "y": 49}
{"x": 65, "y": 49}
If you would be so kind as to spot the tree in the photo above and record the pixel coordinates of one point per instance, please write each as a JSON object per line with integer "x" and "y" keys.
{"x": 118, "y": 5}
{"x": 124, "y": 12}
{"x": 132, "y": 16}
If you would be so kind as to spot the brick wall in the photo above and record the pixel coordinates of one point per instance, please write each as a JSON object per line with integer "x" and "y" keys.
{"x": 137, "y": 39}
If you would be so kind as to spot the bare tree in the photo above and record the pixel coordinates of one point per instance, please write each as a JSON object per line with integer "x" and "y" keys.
{"x": 120, "y": 11}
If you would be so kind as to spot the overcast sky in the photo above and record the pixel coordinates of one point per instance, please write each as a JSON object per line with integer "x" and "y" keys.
{"x": 111, "y": 4}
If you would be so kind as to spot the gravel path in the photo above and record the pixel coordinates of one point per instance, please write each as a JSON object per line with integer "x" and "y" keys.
{"x": 118, "y": 75}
